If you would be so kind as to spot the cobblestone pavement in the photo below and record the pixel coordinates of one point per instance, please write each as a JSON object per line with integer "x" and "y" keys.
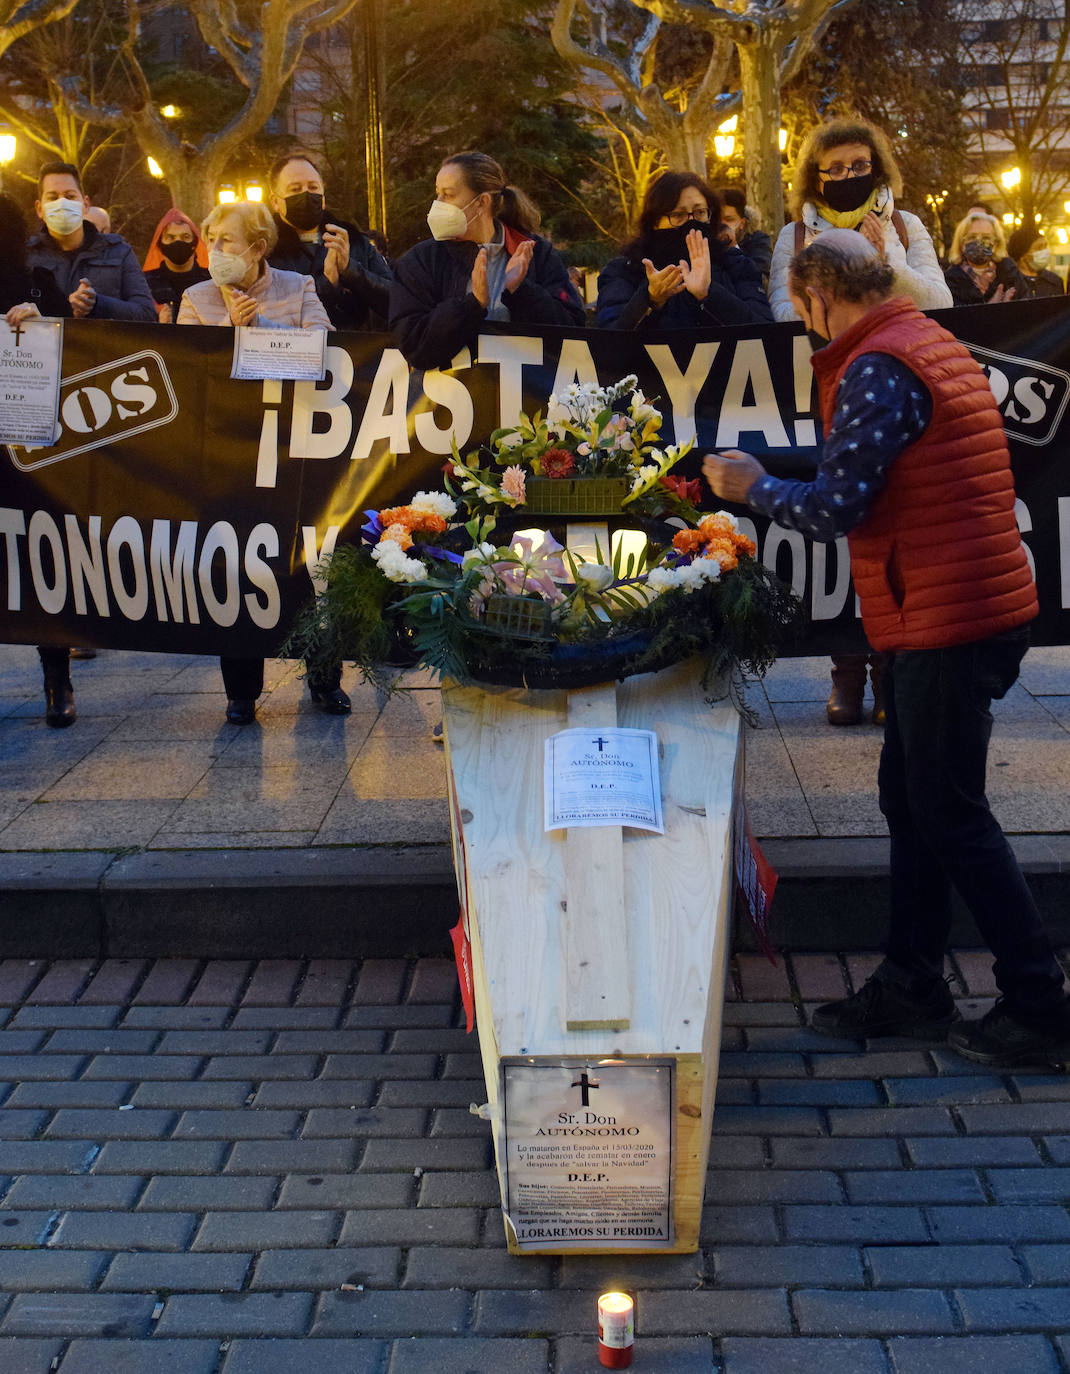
{"x": 237, "y": 1168}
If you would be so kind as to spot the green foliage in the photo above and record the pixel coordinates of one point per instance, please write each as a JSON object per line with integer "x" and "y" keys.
{"x": 346, "y": 621}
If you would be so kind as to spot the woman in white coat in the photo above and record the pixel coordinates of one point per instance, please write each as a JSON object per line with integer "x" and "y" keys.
{"x": 847, "y": 178}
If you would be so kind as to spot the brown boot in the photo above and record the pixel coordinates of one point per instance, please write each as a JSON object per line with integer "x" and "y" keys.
{"x": 848, "y": 687}
{"x": 876, "y": 681}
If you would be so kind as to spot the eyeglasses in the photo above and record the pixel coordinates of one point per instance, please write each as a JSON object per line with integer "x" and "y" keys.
{"x": 839, "y": 170}
{"x": 983, "y": 238}
{"x": 678, "y": 217}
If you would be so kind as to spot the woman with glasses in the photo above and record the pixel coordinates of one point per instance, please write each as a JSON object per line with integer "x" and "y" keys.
{"x": 982, "y": 272}
{"x": 677, "y": 273}
{"x": 846, "y": 178}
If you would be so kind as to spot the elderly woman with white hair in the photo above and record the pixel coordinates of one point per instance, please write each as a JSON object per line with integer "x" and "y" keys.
{"x": 245, "y": 290}
{"x": 981, "y": 271}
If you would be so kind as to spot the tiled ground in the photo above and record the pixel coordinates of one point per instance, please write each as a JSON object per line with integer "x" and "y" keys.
{"x": 237, "y": 1168}
{"x": 151, "y": 762}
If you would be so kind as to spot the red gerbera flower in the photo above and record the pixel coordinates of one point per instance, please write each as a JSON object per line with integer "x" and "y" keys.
{"x": 557, "y": 462}
{"x": 683, "y": 488}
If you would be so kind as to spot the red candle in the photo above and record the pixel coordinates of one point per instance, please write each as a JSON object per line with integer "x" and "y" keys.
{"x": 616, "y": 1330}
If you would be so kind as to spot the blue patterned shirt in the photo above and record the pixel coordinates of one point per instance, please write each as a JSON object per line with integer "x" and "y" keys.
{"x": 881, "y": 408}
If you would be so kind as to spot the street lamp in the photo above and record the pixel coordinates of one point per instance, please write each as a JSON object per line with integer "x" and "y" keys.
{"x": 170, "y": 111}
{"x": 8, "y": 148}
{"x": 254, "y": 191}
{"x": 1011, "y": 177}
{"x": 226, "y": 195}
{"x": 724, "y": 140}
{"x": 155, "y": 169}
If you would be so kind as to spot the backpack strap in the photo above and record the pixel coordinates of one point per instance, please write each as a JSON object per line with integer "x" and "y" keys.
{"x": 800, "y": 235}
{"x": 901, "y": 229}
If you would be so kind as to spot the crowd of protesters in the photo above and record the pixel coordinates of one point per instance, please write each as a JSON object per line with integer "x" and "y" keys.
{"x": 699, "y": 258}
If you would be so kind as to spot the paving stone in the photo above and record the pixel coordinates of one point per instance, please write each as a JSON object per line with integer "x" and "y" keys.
{"x": 159, "y": 1157}
{"x": 977, "y": 1151}
{"x": 21, "y": 1356}
{"x": 176, "y": 1018}
{"x": 1029, "y": 1185}
{"x": 167, "y": 981}
{"x": 228, "y": 1193}
{"x": 946, "y": 1090}
{"x": 319, "y": 1092}
{"x": 52, "y": 1096}
{"x": 176, "y": 1273}
{"x": 735, "y": 1313}
{"x": 372, "y": 1266}
{"x": 1040, "y": 1087}
{"x": 114, "y": 982}
{"x": 328, "y": 1122}
{"x": 90, "y": 1314}
{"x": 123, "y": 1231}
{"x": 208, "y": 1042}
{"x": 273, "y": 984}
{"x": 243, "y": 1124}
{"x": 996, "y": 1224}
{"x": 819, "y": 977}
{"x": 113, "y": 1041}
{"x": 835, "y": 1154}
{"x": 1059, "y": 1148}
{"x": 861, "y": 1225}
{"x": 735, "y": 1064}
{"x": 874, "y": 1064}
{"x": 810, "y": 1092}
{"x": 236, "y": 1314}
{"x": 1047, "y": 1263}
{"x": 144, "y": 1066}
{"x": 821, "y": 1312}
{"x": 262, "y": 1066}
{"x": 282, "y": 1356}
{"x": 734, "y": 1152}
{"x": 753, "y": 1014}
{"x": 942, "y": 1266}
{"x": 770, "y": 1121}
{"x": 794, "y": 1040}
{"x": 778, "y": 1266}
{"x": 908, "y": 1121}
{"x": 434, "y": 980}
{"x": 1025, "y": 1118}
{"x": 461, "y": 1267}
{"x": 17, "y": 977}
{"x": 188, "y": 1096}
{"x": 21, "y": 1125}
{"x": 59, "y": 1018}
{"x": 20, "y": 1068}
{"x": 265, "y": 1230}
{"x": 426, "y": 1154}
{"x": 773, "y": 1185}
{"x": 62, "y": 981}
{"x": 114, "y": 1123}
{"x": 395, "y": 1017}
{"x": 972, "y": 1355}
{"x": 141, "y": 1357}
{"x": 513, "y": 1312}
{"x": 24, "y": 1230}
{"x": 380, "y": 982}
{"x": 45, "y": 1156}
{"x": 761, "y": 1355}
{"x": 416, "y": 1066}
{"x": 80, "y": 1192}
{"x": 915, "y": 1185}
{"x": 292, "y": 1156}
{"x": 660, "y": 1355}
{"x": 459, "y": 1189}
{"x": 1001, "y": 1310}
{"x": 326, "y": 983}
{"x": 632, "y": 1273}
{"x": 220, "y": 983}
{"x": 761, "y": 980}
{"x": 26, "y": 1271}
{"x": 722, "y": 1225}
{"x": 442, "y": 1040}
{"x": 392, "y": 1313}
{"x": 346, "y": 1191}
{"x": 408, "y": 1226}
{"x": 22, "y": 1041}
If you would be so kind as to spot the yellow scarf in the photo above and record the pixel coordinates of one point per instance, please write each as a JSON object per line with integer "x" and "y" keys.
{"x": 848, "y": 219}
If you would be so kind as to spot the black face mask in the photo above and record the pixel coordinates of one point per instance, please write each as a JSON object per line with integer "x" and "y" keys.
{"x": 304, "y": 210}
{"x": 849, "y": 193}
{"x": 178, "y": 251}
{"x": 670, "y": 245}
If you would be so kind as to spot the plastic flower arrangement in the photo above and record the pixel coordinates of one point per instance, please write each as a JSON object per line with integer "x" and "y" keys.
{"x": 474, "y": 597}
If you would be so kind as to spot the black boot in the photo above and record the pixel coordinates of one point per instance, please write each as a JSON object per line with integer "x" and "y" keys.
{"x": 59, "y": 698}
{"x": 848, "y": 687}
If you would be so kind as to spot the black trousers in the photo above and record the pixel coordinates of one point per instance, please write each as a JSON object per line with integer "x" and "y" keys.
{"x": 943, "y": 834}
{"x": 243, "y": 678}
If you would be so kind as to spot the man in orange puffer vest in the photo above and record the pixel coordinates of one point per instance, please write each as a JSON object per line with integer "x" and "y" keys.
{"x": 915, "y": 471}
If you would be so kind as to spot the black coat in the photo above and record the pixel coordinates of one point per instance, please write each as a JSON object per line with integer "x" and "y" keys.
{"x": 1045, "y": 283}
{"x": 965, "y": 291}
{"x": 434, "y": 315}
{"x": 167, "y": 286}
{"x": 759, "y": 248}
{"x": 359, "y": 299}
{"x": 735, "y": 295}
{"x": 35, "y": 285}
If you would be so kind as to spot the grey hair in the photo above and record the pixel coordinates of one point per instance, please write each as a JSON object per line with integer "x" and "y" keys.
{"x": 845, "y": 265}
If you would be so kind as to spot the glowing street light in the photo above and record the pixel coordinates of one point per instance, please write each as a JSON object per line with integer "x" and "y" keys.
{"x": 154, "y": 168}
{"x": 1011, "y": 177}
{"x": 254, "y": 191}
{"x": 8, "y": 146}
{"x": 783, "y": 139}
{"x": 170, "y": 111}
{"x": 1008, "y": 218}
{"x": 724, "y": 141}
{"x": 226, "y": 195}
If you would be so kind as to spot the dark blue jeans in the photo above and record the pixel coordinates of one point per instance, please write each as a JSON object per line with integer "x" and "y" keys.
{"x": 932, "y": 794}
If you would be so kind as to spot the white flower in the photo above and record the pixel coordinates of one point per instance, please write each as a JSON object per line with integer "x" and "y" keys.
{"x": 595, "y": 576}
{"x": 644, "y": 477}
{"x": 434, "y": 503}
{"x": 641, "y": 409}
{"x": 395, "y": 564}
{"x": 482, "y": 553}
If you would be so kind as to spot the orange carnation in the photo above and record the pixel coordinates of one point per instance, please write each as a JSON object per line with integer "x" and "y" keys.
{"x": 398, "y": 534}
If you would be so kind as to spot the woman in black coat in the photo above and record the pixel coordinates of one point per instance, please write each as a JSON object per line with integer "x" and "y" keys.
{"x": 982, "y": 272}
{"x": 484, "y": 262}
{"x": 677, "y": 273}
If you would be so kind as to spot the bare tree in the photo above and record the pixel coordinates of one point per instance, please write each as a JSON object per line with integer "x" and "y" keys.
{"x": 17, "y": 20}
{"x": 262, "y": 56}
{"x": 759, "y": 43}
{"x": 1015, "y": 69}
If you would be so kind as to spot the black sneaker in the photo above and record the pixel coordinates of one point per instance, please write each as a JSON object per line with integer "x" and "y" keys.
{"x": 1001, "y": 1040}
{"x": 883, "y": 1008}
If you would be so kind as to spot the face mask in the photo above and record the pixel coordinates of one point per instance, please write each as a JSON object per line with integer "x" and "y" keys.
{"x": 303, "y": 211}
{"x": 670, "y": 245}
{"x": 63, "y": 216}
{"x": 816, "y": 340}
{"x": 177, "y": 251}
{"x": 976, "y": 253}
{"x": 848, "y": 194}
{"x": 1041, "y": 257}
{"x": 448, "y": 221}
{"x": 226, "y": 268}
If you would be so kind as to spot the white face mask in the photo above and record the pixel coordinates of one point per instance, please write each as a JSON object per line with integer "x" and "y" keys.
{"x": 63, "y": 216}
{"x": 1041, "y": 257}
{"x": 226, "y": 268}
{"x": 448, "y": 221}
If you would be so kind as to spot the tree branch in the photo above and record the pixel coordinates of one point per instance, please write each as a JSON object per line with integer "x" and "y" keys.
{"x": 16, "y": 20}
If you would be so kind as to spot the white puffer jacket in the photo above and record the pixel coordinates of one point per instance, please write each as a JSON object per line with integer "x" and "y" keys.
{"x": 918, "y": 273}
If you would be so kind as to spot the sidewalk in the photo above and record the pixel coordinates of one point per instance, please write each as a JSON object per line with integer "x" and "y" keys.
{"x": 241, "y": 1168}
{"x": 159, "y": 823}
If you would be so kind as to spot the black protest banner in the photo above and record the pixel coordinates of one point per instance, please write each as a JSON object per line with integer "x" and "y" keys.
{"x": 181, "y": 511}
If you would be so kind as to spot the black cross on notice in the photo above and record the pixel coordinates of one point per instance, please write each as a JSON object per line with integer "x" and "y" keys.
{"x": 600, "y": 741}
{"x": 18, "y": 332}
{"x": 586, "y": 1084}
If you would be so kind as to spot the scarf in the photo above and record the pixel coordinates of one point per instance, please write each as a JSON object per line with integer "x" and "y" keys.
{"x": 850, "y": 219}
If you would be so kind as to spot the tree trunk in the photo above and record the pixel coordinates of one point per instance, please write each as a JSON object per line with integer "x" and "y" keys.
{"x": 193, "y": 183}
{"x": 759, "y": 66}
